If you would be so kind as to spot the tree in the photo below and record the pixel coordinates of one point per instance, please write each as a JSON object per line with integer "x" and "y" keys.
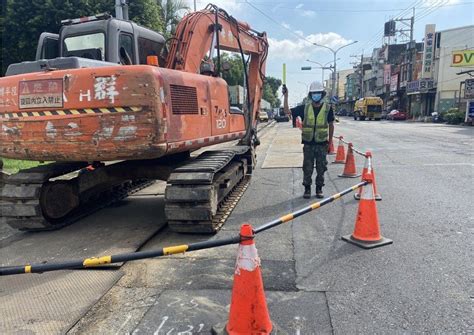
{"x": 270, "y": 89}
{"x": 24, "y": 21}
{"x": 235, "y": 76}
{"x": 171, "y": 12}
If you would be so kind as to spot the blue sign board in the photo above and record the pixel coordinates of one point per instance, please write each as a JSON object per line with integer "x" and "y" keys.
{"x": 470, "y": 109}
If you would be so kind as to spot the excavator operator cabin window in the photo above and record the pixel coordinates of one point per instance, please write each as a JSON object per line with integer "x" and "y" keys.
{"x": 126, "y": 49}
{"x": 90, "y": 46}
{"x": 50, "y": 48}
{"x": 146, "y": 48}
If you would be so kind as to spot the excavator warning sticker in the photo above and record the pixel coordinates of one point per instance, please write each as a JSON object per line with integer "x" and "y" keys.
{"x": 40, "y": 93}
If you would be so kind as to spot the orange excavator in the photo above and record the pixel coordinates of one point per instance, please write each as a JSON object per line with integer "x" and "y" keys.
{"x": 113, "y": 105}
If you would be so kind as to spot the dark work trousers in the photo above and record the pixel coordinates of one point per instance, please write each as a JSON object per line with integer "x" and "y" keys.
{"x": 312, "y": 153}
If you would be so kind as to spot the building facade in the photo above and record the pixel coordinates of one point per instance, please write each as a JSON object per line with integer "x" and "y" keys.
{"x": 418, "y": 77}
{"x": 449, "y": 84}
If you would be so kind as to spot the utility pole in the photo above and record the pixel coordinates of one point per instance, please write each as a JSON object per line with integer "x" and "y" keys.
{"x": 361, "y": 73}
{"x": 412, "y": 47}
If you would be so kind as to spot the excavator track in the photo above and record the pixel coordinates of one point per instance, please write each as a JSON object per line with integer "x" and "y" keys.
{"x": 201, "y": 194}
{"x": 22, "y": 204}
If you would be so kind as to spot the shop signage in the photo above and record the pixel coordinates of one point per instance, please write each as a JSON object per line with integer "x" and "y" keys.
{"x": 386, "y": 74}
{"x": 428, "y": 51}
{"x": 470, "y": 110}
{"x": 394, "y": 82}
{"x": 420, "y": 86}
{"x": 463, "y": 58}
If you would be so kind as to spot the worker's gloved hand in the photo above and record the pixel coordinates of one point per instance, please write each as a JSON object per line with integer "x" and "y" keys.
{"x": 284, "y": 90}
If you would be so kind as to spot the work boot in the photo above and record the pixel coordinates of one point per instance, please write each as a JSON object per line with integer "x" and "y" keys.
{"x": 307, "y": 192}
{"x": 319, "y": 192}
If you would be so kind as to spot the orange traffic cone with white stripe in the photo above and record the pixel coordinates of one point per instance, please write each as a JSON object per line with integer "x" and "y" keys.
{"x": 298, "y": 122}
{"x": 331, "y": 150}
{"x": 340, "y": 155}
{"x": 248, "y": 308}
{"x": 367, "y": 229}
{"x": 368, "y": 161}
{"x": 350, "y": 168}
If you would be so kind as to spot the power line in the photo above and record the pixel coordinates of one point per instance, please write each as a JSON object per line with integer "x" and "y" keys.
{"x": 430, "y": 12}
{"x": 374, "y": 40}
{"x": 278, "y": 23}
{"x": 358, "y": 10}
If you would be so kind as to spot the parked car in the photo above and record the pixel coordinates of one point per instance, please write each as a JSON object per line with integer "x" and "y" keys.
{"x": 263, "y": 116}
{"x": 397, "y": 115}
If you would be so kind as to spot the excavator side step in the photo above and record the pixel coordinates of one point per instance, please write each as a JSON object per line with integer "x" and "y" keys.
{"x": 196, "y": 192}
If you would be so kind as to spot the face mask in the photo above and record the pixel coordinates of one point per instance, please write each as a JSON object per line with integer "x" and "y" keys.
{"x": 316, "y": 97}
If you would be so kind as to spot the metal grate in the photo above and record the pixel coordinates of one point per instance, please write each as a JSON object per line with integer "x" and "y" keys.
{"x": 184, "y": 99}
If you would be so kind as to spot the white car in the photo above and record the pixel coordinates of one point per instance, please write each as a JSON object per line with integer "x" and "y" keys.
{"x": 263, "y": 116}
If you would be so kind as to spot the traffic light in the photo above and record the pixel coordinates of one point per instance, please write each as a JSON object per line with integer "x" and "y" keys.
{"x": 306, "y": 68}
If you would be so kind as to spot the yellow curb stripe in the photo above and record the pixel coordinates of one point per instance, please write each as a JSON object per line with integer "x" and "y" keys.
{"x": 120, "y": 109}
{"x": 74, "y": 111}
{"x": 36, "y": 114}
{"x": 175, "y": 250}
{"x": 336, "y": 196}
{"x": 28, "y": 269}
{"x": 60, "y": 112}
{"x": 94, "y": 261}
{"x": 104, "y": 110}
{"x": 88, "y": 111}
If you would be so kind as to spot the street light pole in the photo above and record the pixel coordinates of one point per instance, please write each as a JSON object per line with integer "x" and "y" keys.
{"x": 334, "y": 89}
{"x": 323, "y": 67}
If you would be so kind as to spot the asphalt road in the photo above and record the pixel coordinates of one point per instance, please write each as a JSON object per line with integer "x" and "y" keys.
{"x": 315, "y": 283}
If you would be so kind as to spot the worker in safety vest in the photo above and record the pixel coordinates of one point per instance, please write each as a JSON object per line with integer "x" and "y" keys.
{"x": 318, "y": 127}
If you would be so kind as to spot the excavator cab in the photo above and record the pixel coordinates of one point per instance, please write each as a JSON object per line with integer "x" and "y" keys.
{"x": 93, "y": 41}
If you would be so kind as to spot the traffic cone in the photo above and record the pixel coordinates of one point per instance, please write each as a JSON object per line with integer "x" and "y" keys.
{"x": 248, "y": 308}
{"x": 331, "y": 150}
{"x": 299, "y": 124}
{"x": 350, "y": 168}
{"x": 367, "y": 229}
{"x": 368, "y": 162}
{"x": 340, "y": 155}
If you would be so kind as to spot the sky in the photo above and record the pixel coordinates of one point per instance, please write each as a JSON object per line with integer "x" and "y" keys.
{"x": 291, "y": 26}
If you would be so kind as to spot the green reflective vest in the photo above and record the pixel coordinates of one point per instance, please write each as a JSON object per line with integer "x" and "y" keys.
{"x": 315, "y": 129}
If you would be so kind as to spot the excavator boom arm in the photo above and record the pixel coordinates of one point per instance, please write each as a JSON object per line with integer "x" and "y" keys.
{"x": 199, "y": 33}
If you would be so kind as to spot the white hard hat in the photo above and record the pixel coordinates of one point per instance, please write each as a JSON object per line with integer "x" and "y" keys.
{"x": 316, "y": 86}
